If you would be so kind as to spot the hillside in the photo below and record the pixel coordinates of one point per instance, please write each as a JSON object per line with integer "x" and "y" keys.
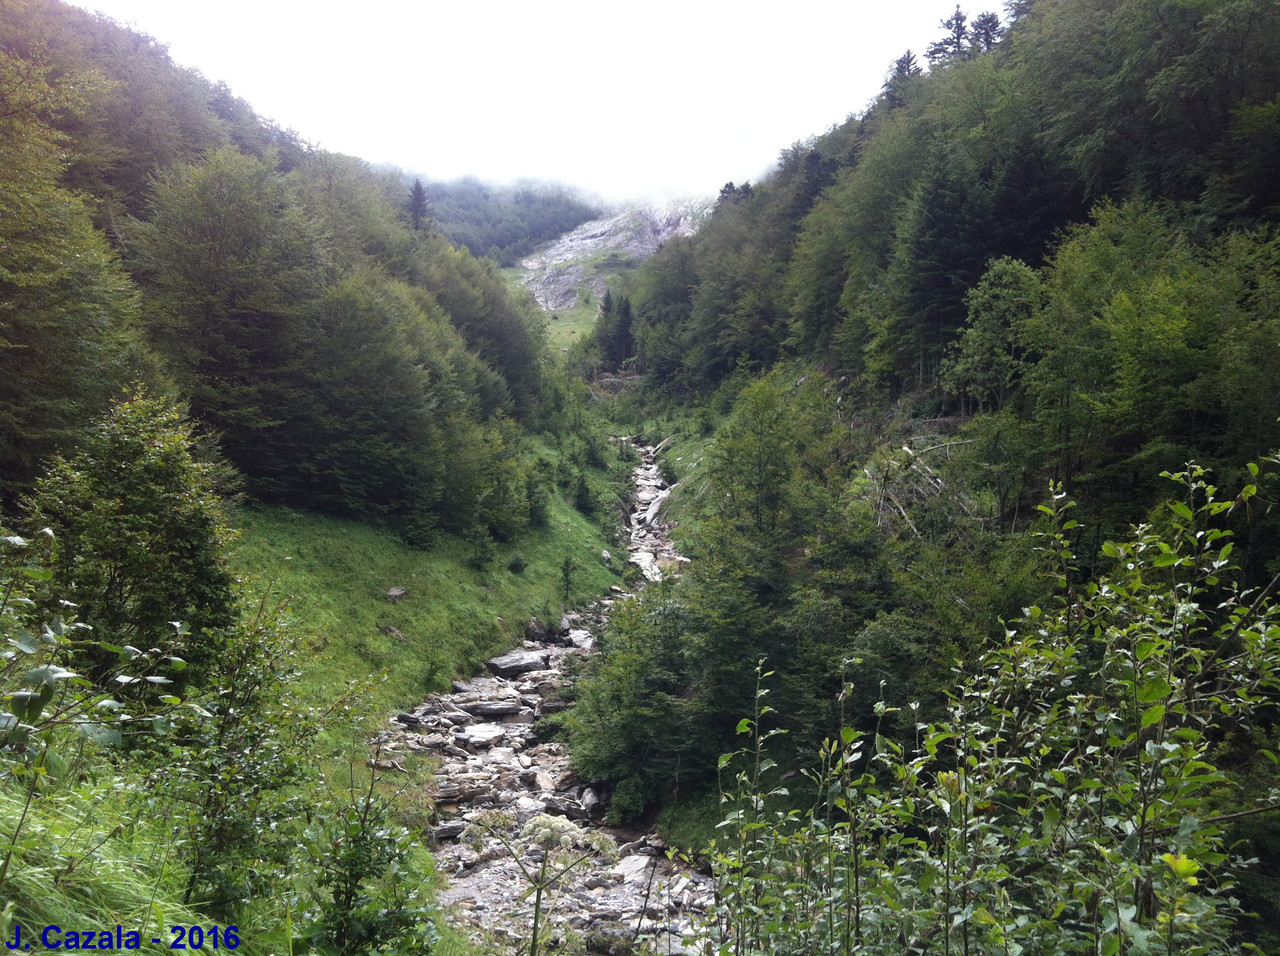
{"x": 974, "y": 362}
{"x": 968, "y": 416}
{"x": 504, "y": 223}
{"x": 569, "y": 276}
{"x": 204, "y": 321}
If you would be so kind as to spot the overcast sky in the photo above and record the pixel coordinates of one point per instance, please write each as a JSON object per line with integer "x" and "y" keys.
{"x": 650, "y": 100}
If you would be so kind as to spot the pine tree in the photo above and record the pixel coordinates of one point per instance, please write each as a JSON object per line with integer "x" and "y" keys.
{"x": 985, "y": 32}
{"x": 904, "y": 71}
{"x": 954, "y": 43}
{"x": 142, "y": 537}
{"x": 419, "y": 205}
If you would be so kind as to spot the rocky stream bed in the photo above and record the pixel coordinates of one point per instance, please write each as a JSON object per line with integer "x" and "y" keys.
{"x": 496, "y": 779}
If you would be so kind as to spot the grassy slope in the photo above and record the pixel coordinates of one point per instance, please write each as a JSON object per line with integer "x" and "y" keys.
{"x": 86, "y": 861}
{"x": 566, "y": 327}
{"x": 337, "y": 574}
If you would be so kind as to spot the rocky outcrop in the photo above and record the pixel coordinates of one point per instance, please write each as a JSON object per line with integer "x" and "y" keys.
{"x": 556, "y": 274}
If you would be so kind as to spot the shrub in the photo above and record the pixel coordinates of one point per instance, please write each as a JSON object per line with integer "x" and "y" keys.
{"x": 1068, "y": 802}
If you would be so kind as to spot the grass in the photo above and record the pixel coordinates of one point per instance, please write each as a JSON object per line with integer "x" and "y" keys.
{"x": 90, "y": 857}
{"x": 337, "y": 574}
{"x": 83, "y": 861}
{"x": 567, "y": 326}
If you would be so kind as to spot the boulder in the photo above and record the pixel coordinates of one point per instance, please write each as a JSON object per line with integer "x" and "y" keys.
{"x": 492, "y": 708}
{"x": 633, "y": 869}
{"x": 647, "y": 563}
{"x": 481, "y": 735}
{"x": 518, "y": 662}
{"x": 449, "y": 831}
{"x": 544, "y": 781}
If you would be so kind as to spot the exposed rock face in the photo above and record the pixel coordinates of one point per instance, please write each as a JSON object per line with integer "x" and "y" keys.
{"x": 555, "y": 274}
{"x": 485, "y": 738}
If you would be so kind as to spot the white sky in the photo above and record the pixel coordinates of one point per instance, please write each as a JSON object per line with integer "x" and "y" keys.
{"x": 655, "y": 100}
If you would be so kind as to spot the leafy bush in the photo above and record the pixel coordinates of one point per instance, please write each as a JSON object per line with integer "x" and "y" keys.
{"x": 1068, "y": 802}
{"x": 370, "y": 881}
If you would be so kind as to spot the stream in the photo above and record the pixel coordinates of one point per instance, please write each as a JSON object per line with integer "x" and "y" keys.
{"x": 494, "y": 776}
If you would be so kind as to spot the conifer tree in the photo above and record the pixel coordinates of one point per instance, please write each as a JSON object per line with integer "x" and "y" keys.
{"x": 954, "y": 43}
{"x": 142, "y": 537}
{"x": 419, "y": 205}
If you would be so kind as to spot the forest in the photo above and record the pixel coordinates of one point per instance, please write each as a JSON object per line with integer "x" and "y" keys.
{"x": 1039, "y": 271}
{"x": 207, "y": 328}
{"x": 505, "y": 223}
{"x": 973, "y": 402}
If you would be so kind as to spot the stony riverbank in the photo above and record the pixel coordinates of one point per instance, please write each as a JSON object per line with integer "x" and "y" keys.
{"x": 495, "y": 776}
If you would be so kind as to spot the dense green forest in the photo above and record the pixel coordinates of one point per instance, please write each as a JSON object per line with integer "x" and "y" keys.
{"x": 1044, "y": 270}
{"x": 207, "y": 325}
{"x": 505, "y": 223}
{"x": 974, "y": 405}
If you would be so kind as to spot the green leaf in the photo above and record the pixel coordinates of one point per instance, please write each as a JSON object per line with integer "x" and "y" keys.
{"x": 26, "y": 705}
{"x": 1154, "y": 689}
{"x": 1153, "y": 715}
{"x": 101, "y": 734}
{"x": 24, "y": 644}
{"x": 1165, "y": 559}
{"x": 46, "y": 675}
{"x": 1183, "y": 867}
{"x": 1181, "y": 510}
